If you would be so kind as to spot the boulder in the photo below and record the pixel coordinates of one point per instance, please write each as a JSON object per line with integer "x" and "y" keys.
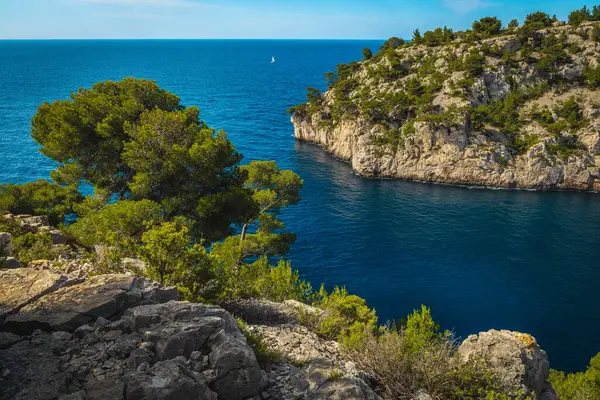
{"x": 36, "y": 221}
{"x": 180, "y": 329}
{"x": 165, "y": 351}
{"x": 5, "y": 244}
{"x": 58, "y": 237}
{"x": 10, "y": 263}
{"x": 514, "y": 357}
{"x": 68, "y": 306}
{"x": 167, "y": 380}
{"x": 23, "y": 286}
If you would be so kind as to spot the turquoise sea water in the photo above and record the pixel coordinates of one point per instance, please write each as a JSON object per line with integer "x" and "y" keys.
{"x": 480, "y": 258}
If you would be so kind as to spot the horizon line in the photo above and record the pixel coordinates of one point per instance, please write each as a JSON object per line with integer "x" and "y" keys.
{"x": 98, "y": 39}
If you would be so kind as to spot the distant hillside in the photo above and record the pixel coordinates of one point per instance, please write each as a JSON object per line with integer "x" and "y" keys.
{"x": 515, "y": 107}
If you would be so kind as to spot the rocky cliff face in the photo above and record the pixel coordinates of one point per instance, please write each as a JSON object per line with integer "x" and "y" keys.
{"x": 125, "y": 337}
{"x": 434, "y": 120}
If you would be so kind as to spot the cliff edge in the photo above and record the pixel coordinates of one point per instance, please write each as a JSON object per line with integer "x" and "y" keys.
{"x": 517, "y": 109}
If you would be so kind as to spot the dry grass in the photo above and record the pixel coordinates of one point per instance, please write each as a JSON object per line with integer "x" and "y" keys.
{"x": 401, "y": 371}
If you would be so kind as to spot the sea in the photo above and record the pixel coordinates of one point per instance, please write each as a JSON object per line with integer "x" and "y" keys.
{"x": 480, "y": 258}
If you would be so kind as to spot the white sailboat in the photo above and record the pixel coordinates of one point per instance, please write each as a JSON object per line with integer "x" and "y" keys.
{"x": 272, "y": 60}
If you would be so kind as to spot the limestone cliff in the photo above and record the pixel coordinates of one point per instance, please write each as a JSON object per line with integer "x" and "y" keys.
{"x": 515, "y": 110}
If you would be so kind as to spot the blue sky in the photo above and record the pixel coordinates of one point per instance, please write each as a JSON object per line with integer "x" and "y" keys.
{"x": 364, "y": 19}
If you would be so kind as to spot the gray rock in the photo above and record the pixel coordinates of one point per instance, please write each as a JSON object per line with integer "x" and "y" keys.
{"x": 73, "y": 396}
{"x": 237, "y": 372}
{"x": 10, "y": 263}
{"x": 58, "y": 237}
{"x": 71, "y": 306}
{"x": 101, "y": 322}
{"x": 167, "y": 380}
{"x": 422, "y": 395}
{"x": 35, "y": 221}
{"x": 106, "y": 364}
{"x": 23, "y": 286}
{"x": 182, "y": 329}
{"x": 83, "y": 331}
{"x": 7, "y": 339}
{"x": 139, "y": 357}
{"x": 5, "y": 244}
{"x": 514, "y": 357}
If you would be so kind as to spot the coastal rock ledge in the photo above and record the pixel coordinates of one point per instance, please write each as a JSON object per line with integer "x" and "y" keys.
{"x": 119, "y": 337}
{"x": 417, "y": 112}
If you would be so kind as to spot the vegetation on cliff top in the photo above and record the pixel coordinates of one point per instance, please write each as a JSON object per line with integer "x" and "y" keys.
{"x": 171, "y": 191}
{"x": 439, "y": 77}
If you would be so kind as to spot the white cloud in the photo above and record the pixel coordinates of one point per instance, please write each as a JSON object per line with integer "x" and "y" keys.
{"x": 465, "y": 6}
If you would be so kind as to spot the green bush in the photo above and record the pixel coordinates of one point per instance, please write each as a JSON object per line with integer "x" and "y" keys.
{"x": 578, "y": 16}
{"x": 596, "y": 33}
{"x": 592, "y": 76}
{"x": 535, "y": 21}
{"x": 258, "y": 279}
{"x": 39, "y": 198}
{"x": 37, "y": 246}
{"x": 171, "y": 258}
{"x": 487, "y": 26}
{"x": 119, "y": 224}
{"x": 473, "y": 63}
{"x": 579, "y": 385}
{"x": 403, "y": 360}
{"x": 438, "y": 37}
{"x": 525, "y": 142}
{"x": 346, "y": 317}
{"x": 572, "y": 113}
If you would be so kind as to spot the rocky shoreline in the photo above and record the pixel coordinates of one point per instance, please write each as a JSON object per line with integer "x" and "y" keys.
{"x": 444, "y": 144}
{"x": 70, "y": 337}
{"x": 453, "y": 164}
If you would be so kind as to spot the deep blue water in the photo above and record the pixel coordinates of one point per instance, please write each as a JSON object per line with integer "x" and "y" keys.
{"x": 480, "y": 258}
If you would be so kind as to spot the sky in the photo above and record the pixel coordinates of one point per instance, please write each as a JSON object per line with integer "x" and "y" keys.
{"x": 254, "y": 19}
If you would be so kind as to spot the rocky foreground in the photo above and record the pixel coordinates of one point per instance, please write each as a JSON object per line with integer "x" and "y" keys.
{"x": 125, "y": 337}
{"x": 436, "y": 138}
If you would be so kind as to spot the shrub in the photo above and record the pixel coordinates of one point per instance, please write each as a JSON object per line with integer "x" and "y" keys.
{"x": 347, "y": 317}
{"x": 578, "y": 16}
{"x": 592, "y": 76}
{"x": 596, "y": 33}
{"x": 473, "y": 63}
{"x": 393, "y": 42}
{"x": 119, "y": 224}
{"x": 367, "y": 53}
{"x": 535, "y": 21}
{"x": 438, "y": 37}
{"x": 258, "y": 279}
{"x": 172, "y": 259}
{"x": 417, "y": 37}
{"x": 553, "y": 54}
{"x": 525, "y": 142}
{"x": 579, "y": 385}
{"x": 572, "y": 113}
{"x": 37, "y": 246}
{"x": 487, "y": 26}
{"x": 419, "y": 356}
{"x": 39, "y": 198}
